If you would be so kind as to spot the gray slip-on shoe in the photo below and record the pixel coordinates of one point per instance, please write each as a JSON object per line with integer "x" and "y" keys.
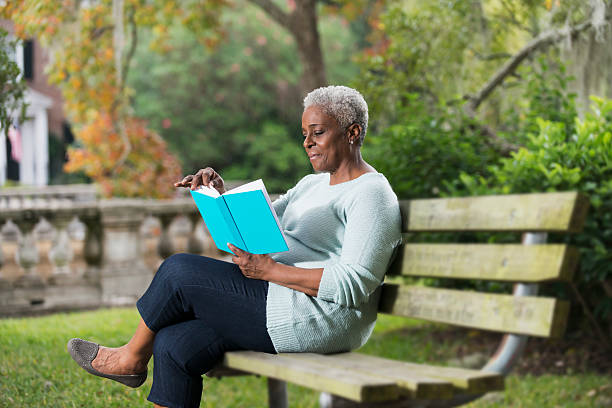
{"x": 84, "y": 352}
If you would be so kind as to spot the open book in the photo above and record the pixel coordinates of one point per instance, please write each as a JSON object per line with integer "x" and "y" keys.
{"x": 243, "y": 216}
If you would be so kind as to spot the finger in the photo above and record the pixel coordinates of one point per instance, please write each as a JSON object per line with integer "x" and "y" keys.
{"x": 184, "y": 181}
{"x": 237, "y": 251}
{"x": 207, "y": 175}
{"x": 245, "y": 271}
{"x": 197, "y": 180}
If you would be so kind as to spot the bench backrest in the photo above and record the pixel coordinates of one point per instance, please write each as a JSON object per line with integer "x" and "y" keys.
{"x": 526, "y": 263}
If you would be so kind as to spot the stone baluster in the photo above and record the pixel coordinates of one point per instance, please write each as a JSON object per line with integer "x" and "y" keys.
{"x": 194, "y": 244}
{"x": 3, "y": 282}
{"x": 92, "y": 250}
{"x": 27, "y": 253}
{"x": 165, "y": 247}
{"x": 1, "y": 251}
{"x": 123, "y": 275}
{"x": 61, "y": 253}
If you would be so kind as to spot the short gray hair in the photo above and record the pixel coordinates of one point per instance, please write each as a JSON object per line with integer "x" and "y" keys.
{"x": 344, "y": 104}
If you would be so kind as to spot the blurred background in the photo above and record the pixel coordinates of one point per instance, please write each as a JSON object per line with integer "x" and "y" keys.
{"x": 107, "y": 101}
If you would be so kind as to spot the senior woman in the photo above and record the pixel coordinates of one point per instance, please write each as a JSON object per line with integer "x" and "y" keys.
{"x": 342, "y": 226}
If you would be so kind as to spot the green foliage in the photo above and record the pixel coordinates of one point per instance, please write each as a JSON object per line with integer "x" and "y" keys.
{"x": 544, "y": 96}
{"x": 446, "y": 51}
{"x": 552, "y": 160}
{"x": 427, "y": 148}
{"x": 272, "y": 156}
{"x": 199, "y": 99}
{"x": 12, "y": 85}
{"x": 235, "y": 107}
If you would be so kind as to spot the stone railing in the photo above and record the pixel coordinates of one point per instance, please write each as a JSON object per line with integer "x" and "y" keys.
{"x": 23, "y": 197}
{"x": 60, "y": 254}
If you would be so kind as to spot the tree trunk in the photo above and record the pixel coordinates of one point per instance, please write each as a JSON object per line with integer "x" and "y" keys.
{"x": 302, "y": 23}
{"x": 306, "y": 33}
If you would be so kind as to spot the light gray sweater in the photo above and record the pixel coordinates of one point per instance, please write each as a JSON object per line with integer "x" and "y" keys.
{"x": 351, "y": 230}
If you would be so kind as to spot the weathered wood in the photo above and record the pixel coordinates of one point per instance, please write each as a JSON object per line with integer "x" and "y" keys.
{"x": 563, "y": 212}
{"x": 352, "y": 385}
{"x": 516, "y": 263}
{"x": 412, "y": 383}
{"x": 220, "y": 371}
{"x": 529, "y": 315}
{"x": 467, "y": 381}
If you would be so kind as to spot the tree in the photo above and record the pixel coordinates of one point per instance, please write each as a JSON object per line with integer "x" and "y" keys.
{"x": 94, "y": 43}
{"x": 91, "y": 59}
{"x": 451, "y": 54}
{"x": 12, "y": 86}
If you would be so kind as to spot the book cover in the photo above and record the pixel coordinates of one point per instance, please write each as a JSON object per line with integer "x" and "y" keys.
{"x": 243, "y": 216}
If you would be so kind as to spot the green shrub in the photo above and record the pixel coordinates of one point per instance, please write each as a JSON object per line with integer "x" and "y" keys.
{"x": 554, "y": 160}
{"x": 427, "y": 148}
{"x": 271, "y": 154}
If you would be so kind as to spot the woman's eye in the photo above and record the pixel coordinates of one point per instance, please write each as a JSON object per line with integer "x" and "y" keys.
{"x": 319, "y": 132}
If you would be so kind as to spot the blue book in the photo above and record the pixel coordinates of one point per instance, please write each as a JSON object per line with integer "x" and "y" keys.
{"x": 243, "y": 216}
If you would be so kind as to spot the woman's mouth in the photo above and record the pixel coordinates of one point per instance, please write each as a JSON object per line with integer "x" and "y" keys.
{"x": 312, "y": 156}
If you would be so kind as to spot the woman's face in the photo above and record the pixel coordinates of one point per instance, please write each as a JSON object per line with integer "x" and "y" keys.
{"x": 326, "y": 144}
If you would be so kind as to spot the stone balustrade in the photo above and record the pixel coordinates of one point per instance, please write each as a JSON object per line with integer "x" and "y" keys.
{"x": 110, "y": 262}
{"x": 24, "y": 197}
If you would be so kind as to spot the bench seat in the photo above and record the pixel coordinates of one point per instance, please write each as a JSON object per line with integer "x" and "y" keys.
{"x": 363, "y": 378}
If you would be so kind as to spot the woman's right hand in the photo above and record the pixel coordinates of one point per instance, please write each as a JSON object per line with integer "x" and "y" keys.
{"x": 204, "y": 177}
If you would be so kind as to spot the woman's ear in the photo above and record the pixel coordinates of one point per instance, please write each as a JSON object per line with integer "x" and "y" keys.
{"x": 354, "y": 133}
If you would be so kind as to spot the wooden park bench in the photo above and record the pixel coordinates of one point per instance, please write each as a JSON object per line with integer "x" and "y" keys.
{"x": 359, "y": 380}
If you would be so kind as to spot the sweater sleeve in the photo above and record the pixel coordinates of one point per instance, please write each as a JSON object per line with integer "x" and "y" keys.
{"x": 372, "y": 232}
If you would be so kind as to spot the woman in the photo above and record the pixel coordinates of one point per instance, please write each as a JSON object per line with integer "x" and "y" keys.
{"x": 342, "y": 225}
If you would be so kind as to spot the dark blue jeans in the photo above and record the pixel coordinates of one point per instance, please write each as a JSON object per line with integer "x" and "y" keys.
{"x": 199, "y": 308}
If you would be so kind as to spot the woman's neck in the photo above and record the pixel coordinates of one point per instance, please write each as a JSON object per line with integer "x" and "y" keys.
{"x": 350, "y": 170}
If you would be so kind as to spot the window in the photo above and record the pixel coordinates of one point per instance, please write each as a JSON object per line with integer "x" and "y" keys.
{"x": 28, "y": 59}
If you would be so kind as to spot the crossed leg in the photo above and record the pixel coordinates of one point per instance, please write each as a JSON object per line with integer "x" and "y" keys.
{"x": 195, "y": 309}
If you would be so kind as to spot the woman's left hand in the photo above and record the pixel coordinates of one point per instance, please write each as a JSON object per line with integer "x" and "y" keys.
{"x": 253, "y": 266}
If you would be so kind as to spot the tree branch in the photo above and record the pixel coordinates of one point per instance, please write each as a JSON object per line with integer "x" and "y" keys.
{"x": 274, "y": 12}
{"x": 510, "y": 66}
{"x": 499, "y": 143}
{"x": 131, "y": 51}
{"x": 98, "y": 31}
{"x": 489, "y": 57}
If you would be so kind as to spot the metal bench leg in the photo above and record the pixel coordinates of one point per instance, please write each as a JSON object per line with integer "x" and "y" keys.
{"x": 327, "y": 400}
{"x": 277, "y": 394}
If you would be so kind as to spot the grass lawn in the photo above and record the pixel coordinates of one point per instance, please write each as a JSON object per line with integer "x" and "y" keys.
{"x": 36, "y": 370}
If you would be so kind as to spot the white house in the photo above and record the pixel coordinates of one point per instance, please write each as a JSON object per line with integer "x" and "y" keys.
{"x": 44, "y": 115}
{"x": 33, "y": 165}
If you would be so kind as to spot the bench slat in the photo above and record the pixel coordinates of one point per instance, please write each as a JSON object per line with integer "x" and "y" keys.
{"x": 468, "y": 381}
{"x": 518, "y": 212}
{"x": 516, "y": 263}
{"x": 412, "y": 383}
{"x": 356, "y": 386}
{"x": 537, "y": 316}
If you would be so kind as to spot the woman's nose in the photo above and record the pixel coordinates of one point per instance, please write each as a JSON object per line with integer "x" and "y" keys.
{"x": 308, "y": 141}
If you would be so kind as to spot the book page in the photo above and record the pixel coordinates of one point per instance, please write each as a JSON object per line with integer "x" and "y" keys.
{"x": 252, "y": 186}
{"x": 209, "y": 191}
